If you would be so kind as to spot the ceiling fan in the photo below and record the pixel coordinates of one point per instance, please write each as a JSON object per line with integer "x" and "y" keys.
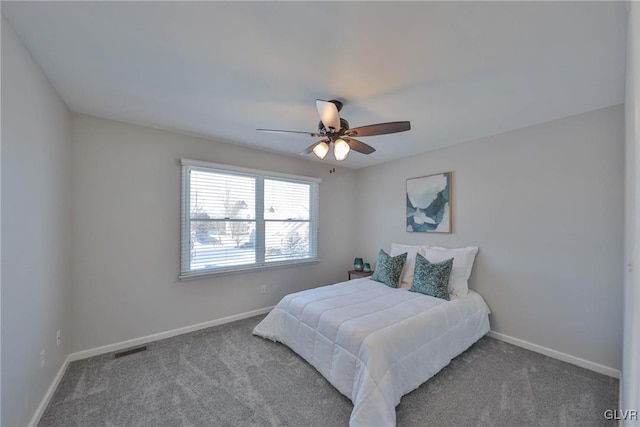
{"x": 335, "y": 130}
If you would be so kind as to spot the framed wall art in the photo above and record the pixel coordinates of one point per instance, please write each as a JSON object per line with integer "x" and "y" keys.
{"x": 429, "y": 203}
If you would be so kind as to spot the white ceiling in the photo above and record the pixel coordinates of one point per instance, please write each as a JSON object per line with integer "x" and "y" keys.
{"x": 457, "y": 70}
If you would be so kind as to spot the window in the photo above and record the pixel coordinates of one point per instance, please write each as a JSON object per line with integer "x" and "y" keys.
{"x": 239, "y": 219}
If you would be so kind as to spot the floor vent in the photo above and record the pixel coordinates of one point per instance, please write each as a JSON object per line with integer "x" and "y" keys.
{"x": 130, "y": 351}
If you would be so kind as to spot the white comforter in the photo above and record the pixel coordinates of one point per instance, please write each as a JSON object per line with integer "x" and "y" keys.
{"x": 375, "y": 343}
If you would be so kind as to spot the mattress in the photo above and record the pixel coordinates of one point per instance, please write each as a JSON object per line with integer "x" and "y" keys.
{"x": 373, "y": 343}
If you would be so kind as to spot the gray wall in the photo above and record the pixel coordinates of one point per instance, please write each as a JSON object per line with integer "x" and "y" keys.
{"x": 545, "y": 206}
{"x": 126, "y": 233}
{"x": 630, "y": 398}
{"x": 36, "y": 186}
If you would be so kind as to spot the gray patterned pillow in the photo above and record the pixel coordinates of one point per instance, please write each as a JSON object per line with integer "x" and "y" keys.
{"x": 388, "y": 269}
{"x": 432, "y": 278}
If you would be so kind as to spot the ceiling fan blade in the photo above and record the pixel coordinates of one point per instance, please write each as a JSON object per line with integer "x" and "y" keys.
{"x": 313, "y": 134}
{"x": 329, "y": 116}
{"x": 359, "y": 146}
{"x": 310, "y": 148}
{"x": 379, "y": 129}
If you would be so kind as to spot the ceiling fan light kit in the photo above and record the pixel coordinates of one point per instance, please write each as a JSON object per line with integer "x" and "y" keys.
{"x": 337, "y": 131}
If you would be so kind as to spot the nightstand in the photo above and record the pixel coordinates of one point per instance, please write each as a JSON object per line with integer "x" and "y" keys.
{"x": 353, "y": 274}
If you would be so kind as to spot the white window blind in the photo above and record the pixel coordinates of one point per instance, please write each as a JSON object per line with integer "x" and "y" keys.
{"x": 239, "y": 219}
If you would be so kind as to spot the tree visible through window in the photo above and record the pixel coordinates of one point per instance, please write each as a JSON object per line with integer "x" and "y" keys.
{"x": 237, "y": 219}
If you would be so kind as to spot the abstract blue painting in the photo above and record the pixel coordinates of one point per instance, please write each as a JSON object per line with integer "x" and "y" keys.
{"x": 429, "y": 203}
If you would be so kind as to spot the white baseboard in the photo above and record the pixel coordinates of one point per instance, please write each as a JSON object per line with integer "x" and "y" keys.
{"x": 35, "y": 419}
{"x": 162, "y": 335}
{"x": 596, "y": 367}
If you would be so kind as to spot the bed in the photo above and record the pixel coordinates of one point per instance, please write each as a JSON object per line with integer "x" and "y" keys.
{"x": 374, "y": 343}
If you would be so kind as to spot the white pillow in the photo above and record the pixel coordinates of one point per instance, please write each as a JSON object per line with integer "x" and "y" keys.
{"x": 406, "y": 278}
{"x": 462, "y": 264}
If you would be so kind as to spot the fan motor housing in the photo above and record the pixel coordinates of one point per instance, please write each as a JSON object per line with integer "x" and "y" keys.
{"x": 344, "y": 125}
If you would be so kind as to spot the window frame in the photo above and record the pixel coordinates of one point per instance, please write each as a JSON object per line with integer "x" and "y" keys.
{"x": 260, "y": 223}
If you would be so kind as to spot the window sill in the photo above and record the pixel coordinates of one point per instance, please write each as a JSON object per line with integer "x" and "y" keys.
{"x": 251, "y": 269}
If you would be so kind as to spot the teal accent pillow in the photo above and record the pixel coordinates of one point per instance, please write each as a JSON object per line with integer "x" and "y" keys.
{"x": 389, "y": 269}
{"x": 432, "y": 278}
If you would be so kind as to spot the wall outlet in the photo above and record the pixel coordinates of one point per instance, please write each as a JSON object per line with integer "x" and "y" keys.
{"x": 263, "y": 289}
{"x": 42, "y": 359}
{"x": 58, "y": 338}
